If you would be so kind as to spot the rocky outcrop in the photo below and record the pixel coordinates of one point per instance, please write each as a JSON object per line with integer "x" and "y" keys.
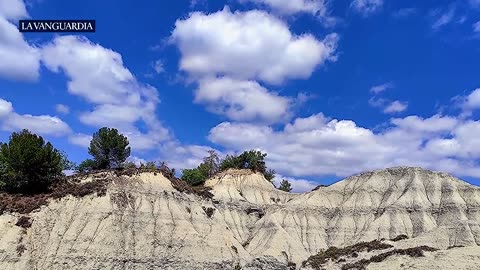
{"x": 143, "y": 222}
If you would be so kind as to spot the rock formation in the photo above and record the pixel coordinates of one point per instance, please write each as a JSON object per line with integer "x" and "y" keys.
{"x": 143, "y": 222}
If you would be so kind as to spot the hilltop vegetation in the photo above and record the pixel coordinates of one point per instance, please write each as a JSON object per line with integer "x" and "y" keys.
{"x": 29, "y": 165}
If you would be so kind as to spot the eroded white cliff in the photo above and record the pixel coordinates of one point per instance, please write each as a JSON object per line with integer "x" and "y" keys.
{"x": 143, "y": 222}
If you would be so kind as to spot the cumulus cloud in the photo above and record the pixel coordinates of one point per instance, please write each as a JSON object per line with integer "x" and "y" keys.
{"x": 294, "y": 6}
{"x": 158, "y": 66}
{"x": 242, "y": 100}
{"x": 40, "y": 124}
{"x": 434, "y": 124}
{"x": 395, "y": 107}
{"x": 367, "y": 7}
{"x": 250, "y": 45}
{"x": 320, "y": 146}
{"x": 98, "y": 75}
{"x": 62, "y": 108}
{"x": 387, "y": 106}
{"x": 13, "y": 9}
{"x": 20, "y": 60}
{"x": 80, "y": 139}
{"x": 298, "y": 185}
{"x": 468, "y": 103}
{"x": 381, "y": 88}
{"x": 136, "y": 160}
{"x": 317, "y": 8}
{"x": 181, "y": 157}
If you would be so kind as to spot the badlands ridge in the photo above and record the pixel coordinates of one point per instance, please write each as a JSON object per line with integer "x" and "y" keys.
{"x": 144, "y": 222}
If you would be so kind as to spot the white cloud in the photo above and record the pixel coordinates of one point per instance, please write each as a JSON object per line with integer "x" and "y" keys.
{"x": 298, "y": 185}
{"x": 20, "y": 61}
{"x": 318, "y": 8}
{"x": 248, "y": 45}
{"x": 434, "y": 124}
{"x": 62, "y": 108}
{"x": 387, "y": 106}
{"x": 13, "y": 9}
{"x": 468, "y": 103}
{"x": 318, "y": 146}
{"x": 138, "y": 161}
{"x": 80, "y": 139}
{"x": 242, "y": 100}
{"x": 98, "y": 75}
{"x": 476, "y": 27}
{"x": 158, "y": 66}
{"x": 381, "y": 88}
{"x": 6, "y": 108}
{"x": 110, "y": 114}
{"x": 181, "y": 157}
{"x": 443, "y": 18}
{"x": 367, "y": 7}
{"x": 293, "y": 6}
{"x": 396, "y": 107}
{"x": 41, "y": 124}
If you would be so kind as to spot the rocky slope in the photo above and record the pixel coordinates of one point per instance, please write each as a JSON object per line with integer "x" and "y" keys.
{"x": 143, "y": 222}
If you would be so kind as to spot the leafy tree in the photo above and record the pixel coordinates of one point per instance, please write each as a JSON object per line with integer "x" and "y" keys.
{"x": 86, "y": 166}
{"x": 129, "y": 165}
{"x": 109, "y": 148}
{"x": 269, "y": 174}
{"x": 285, "y": 186}
{"x": 230, "y": 162}
{"x": 211, "y": 163}
{"x": 149, "y": 165}
{"x": 28, "y": 164}
{"x": 253, "y": 160}
{"x": 208, "y": 168}
{"x": 193, "y": 177}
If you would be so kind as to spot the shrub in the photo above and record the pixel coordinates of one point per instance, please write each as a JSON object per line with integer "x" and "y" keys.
{"x": 193, "y": 177}
{"x": 399, "y": 238}
{"x": 129, "y": 165}
{"x": 253, "y": 160}
{"x": 29, "y": 165}
{"x": 149, "y": 165}
{"x": 208, "y": 168}
{"x": 269, "y": 175}
{"x": 109, "y": 148}
{"x": 86, "y": 166}
{"x": 285, "y": 186}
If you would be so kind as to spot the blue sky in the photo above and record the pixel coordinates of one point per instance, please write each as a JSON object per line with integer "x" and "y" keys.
{"x": 327, "y": 88}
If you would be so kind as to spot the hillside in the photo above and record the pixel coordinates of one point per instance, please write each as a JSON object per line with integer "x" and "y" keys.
{"x": 145, "y": 222}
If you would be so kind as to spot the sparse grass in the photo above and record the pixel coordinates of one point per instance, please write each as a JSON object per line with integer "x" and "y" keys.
{"x": 412, "y": 252}
{"x": 24, "y": 204}
{"x": 259, "y": 212}
{"x": 455, "y": 246}
{"x": 335, "y": 254}
{"x": 208, "y": 211}
{"x": 24, "y": 222}
{"x": 399, "y": 238}
{"x": 20, "y": 249}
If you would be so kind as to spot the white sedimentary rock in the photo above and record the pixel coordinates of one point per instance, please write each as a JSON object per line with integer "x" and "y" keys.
{"x": 143, "y": 222}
